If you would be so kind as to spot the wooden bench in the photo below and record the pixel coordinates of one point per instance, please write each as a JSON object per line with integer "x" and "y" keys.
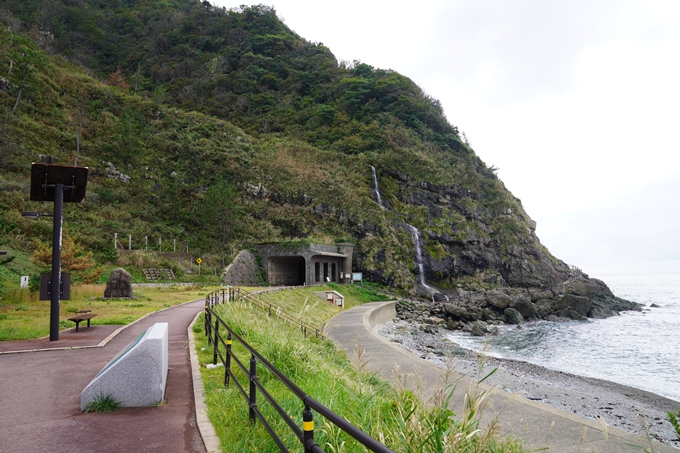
{"x": 82, "y": 315}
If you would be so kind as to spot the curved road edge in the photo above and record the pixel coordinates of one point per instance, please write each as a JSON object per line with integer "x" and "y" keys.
{"x": 538, "y": 425}
{"x": 210, "y": 440}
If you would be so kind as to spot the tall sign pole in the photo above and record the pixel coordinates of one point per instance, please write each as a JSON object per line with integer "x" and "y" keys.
{"x": 56, "y": 261}
{"x": 58, "y": 183}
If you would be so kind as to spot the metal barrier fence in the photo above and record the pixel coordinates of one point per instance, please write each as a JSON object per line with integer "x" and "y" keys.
{"x": 222, "y": 350}
{"x": 231, "y": 294}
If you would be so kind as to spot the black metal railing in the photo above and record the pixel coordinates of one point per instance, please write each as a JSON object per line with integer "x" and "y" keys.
{"x": 215, "y": 328}
{"x": 237, "y": 294}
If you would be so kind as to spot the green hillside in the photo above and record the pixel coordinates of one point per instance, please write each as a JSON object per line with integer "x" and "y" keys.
{"x": 223, "y": 129}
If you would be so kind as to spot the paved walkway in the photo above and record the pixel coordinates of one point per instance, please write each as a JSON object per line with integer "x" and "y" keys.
{"x": 40, "y": 392}
{"x": 537, "y": 424}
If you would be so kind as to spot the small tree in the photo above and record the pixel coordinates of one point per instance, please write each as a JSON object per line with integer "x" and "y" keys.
{"x": 116, "y": 79}
{"x": 72, "y": 259}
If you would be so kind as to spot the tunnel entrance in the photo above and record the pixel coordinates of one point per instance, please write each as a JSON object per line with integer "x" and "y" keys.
{"x": 286, "y": 270}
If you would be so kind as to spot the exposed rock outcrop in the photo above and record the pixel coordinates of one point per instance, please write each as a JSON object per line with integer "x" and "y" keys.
{"x": 578, "y": 299}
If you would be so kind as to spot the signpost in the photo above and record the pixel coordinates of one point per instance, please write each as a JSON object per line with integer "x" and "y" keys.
{"x": 61, "y": 184}
{"x": 199, "y": 261}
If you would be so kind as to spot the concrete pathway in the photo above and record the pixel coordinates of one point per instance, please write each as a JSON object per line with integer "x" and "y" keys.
{"x": 40, "y": 393}
{"x": 538, "y": 425}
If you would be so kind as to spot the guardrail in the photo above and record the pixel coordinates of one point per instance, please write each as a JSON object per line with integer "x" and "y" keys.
{"x": 232, "y": 294}
{"x": 222, "y": 350}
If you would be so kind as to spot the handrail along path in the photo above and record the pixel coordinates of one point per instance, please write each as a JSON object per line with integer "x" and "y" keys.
{"x": 222, "y": 350}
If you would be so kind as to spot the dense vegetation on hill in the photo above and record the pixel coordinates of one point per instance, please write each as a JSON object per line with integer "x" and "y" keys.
{"x": 224, "y": 128}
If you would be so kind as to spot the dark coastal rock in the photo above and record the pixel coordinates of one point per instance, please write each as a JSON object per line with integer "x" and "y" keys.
{"x": 601, "y": 313}
{"x": 478, "y": 329}
{"x": 433, "y": 320}
{"x": 576, "y": 316}
{"x": 454, "y": 325}
{"x": 430, "y": 329}
{"x": 513, "y": 316}
{"x": 119, "y": 284}
{"x": 457, "y": 312}
{"x": 578, "y": 298}
{"x": 498, "y": 299}
{"x": 524, "y": 306}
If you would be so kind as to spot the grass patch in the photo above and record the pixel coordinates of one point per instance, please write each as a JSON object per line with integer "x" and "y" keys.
{"x": 25, "y": 317}
{"x": 309, "y": 303}
{"x": 397, "y": 417}
{"x": 363, "y": 293}
{"x": 674, "y": 418}
{"x": 103, "y": 403}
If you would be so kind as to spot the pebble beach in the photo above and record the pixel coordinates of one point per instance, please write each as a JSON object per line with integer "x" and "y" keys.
{"x": 623, "y": 407}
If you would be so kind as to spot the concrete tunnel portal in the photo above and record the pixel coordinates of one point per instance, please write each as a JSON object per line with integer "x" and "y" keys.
{"x": 306, "y": 264}
{"x": 286, "y": 270}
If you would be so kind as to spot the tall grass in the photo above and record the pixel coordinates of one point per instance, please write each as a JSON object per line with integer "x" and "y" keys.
{"x": 15, "y": 296}
{"x": 394, "y": 415}
{"x": 84, "y": 292}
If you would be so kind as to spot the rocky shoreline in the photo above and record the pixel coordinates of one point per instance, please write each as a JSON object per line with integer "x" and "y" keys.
{"x": 478, "y": 312}
{"x": 626, "y": 408}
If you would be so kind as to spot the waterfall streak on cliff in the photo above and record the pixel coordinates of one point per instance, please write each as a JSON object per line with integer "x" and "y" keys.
{"x": 415, "y": 236}
{"x": 375, "y": 189}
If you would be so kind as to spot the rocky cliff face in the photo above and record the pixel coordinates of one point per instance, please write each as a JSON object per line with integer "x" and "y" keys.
{"x": 479, "y": 237}
{"x": 485, "y": 260}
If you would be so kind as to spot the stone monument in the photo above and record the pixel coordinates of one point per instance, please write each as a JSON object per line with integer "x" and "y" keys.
{"x": 119, "y": 284}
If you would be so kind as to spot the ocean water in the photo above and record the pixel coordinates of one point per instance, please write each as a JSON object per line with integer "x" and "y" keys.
{"x": 638, "y": 349}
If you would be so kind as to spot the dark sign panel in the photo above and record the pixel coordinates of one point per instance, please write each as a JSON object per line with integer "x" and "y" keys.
{"x": 46, "y": 286}
{"x": 44, "y": 178}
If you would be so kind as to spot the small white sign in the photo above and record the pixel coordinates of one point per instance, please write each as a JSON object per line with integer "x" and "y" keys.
{"x": 24, "y": 281}
{"x": 357, "y": 277}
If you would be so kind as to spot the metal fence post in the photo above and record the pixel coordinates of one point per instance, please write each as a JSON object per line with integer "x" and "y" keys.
{"x": 227, "y": 366}
{"x": 206, "y": 321}
{"x": 308, "y": 429}
{"x": 216, "y": 344}
{"x": 253, "y": 395}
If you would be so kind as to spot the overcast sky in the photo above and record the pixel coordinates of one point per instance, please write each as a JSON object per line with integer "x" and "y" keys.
{"x": 577, "y": 103}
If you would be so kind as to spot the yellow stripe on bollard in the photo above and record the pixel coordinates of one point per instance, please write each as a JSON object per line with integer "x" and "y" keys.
{"x": 228, "y": 341}
{"x": 308, "y": 426}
